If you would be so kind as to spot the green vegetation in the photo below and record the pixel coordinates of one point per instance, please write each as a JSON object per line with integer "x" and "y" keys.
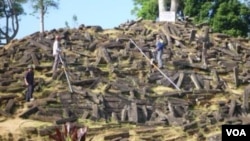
{"x": 9, "y": 12}
{"x": 146, "y": 9}
{"x": 224, "y": 16}
{"x": 41, "y": 7}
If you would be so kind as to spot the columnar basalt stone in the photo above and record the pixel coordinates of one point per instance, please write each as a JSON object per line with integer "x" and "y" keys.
{"x": 124, "y": 113}
{"x": 133, "y": 113}
{"x": 95, "y": 112}
{"x": 10, "y": 105}
{"x": 195, "y": 81}
{"x": 235, "y": 76}
{"x": 245, "y": 97}
{"x": 111, "y": 79}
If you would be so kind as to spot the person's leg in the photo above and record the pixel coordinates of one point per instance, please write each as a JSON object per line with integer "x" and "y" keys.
{"x": 62, "y": 60}
{"x": 29, "y": 93}
{"x": 152, "y": 57}
{"x": 32, "y": 90}
{"x": 26, "y": 95}
{"x": 55, "y": 64}
{"x": 159, "y": 58}
{"x": 155, "y": 55}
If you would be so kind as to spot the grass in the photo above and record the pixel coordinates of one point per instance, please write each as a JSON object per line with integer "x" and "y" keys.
{"x": 159, "y": 90}
{"x": 168, "y": 133}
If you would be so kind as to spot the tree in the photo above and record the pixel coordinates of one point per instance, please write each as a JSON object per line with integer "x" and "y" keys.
{"x": 226, "y": 16}
{"x": 146, "y": 9}
{"x": 74, "y": 18}
{"x": 41, "y": 7}
{"x": 9, "y": 12}
{"x": 247, "y": 2}
{"x": 149, "y": 9}
{"x": 231, "y": 18}
{"x": 67, "y": 24}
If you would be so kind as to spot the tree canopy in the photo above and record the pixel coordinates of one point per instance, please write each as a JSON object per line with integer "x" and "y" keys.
{"x": 231, "y": 17}
{"x": 9, "y": 12}
{"x": 41, "y": 7}
{"x": 11, "y": 9}
{"x": 146, "y": 9}
{"x": 7, "y": 5}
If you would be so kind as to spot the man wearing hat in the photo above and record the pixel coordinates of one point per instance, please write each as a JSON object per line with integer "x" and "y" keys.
{"x": 29, "y": 82}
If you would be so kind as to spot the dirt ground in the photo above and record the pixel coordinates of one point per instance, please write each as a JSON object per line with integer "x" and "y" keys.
{"x": 15, "y": 126}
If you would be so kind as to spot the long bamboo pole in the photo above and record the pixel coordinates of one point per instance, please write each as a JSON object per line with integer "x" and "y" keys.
{"x": 156, "y": 66}
{"x": 66, "y": 74}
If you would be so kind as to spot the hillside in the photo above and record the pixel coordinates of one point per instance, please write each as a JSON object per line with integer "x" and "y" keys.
{"x": 117, "y": 93}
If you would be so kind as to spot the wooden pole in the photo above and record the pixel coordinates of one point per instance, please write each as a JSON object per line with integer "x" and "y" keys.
{"x": 156, "y": 66}
{"x": 66, "y": 74}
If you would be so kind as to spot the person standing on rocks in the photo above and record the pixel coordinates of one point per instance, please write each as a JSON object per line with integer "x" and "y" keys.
{"x": 158, "y": 51}
{"x": 29, "y": 82}
{"x": 56, "y": 53}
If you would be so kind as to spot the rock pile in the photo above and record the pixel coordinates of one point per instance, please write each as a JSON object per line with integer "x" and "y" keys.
{"x": 113, "y": 82}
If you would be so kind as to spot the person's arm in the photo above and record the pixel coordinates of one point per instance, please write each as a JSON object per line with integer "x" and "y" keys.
{"x": 25, "y": 80}
{"x": 58, "y": 49}
{"x": 54, "y": 48}
{"x": 158, "y": 46}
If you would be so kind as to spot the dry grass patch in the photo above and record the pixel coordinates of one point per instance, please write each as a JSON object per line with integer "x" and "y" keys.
{"x": 159, "y": 90}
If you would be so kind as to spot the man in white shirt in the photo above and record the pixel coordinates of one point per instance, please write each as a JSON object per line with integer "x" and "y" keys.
{"x": 56, "y": 53}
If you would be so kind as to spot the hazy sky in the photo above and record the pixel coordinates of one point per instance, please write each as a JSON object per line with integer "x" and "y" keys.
{"x": 106, "y": 13}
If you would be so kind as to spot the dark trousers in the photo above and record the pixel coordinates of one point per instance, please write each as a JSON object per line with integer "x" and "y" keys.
{"x": 29, "y": 93}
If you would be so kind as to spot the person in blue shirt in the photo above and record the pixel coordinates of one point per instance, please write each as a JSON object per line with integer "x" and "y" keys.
{"x": 158, "y": 51}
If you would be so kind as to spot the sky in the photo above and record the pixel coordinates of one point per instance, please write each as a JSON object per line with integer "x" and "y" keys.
{"x": 105, "y": 13}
